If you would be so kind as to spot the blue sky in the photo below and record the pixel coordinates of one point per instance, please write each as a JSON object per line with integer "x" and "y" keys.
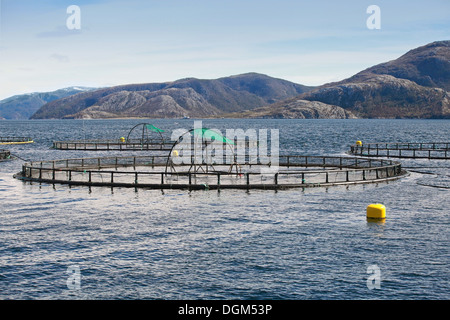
{"x": 121, "y": 42}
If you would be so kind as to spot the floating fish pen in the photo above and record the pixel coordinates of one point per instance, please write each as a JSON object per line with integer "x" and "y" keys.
{"x": 160, "y": 172}
{"x": 4, "y": 155}
{"x": 142, "y": 137}
{"x": 113, "y": 145}
{"x": 15, "y": 140}
{"x": 420, "y": 150}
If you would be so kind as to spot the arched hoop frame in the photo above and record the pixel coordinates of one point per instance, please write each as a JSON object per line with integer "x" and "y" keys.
{"x": 145, "y": 132}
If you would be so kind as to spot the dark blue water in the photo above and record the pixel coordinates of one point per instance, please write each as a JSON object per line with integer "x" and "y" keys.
{"x": 232, "y": 244}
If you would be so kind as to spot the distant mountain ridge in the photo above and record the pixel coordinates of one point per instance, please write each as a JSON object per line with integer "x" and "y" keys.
{"x": 23, "y": 106}
{"x": 185, "y": 97}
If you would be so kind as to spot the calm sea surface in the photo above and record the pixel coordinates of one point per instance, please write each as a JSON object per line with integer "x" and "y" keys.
{"x": 228, "y": 244}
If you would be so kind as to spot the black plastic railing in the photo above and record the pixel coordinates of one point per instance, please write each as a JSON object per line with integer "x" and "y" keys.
{"x": 112, "y": 145}
{"x": 417, "y": 150}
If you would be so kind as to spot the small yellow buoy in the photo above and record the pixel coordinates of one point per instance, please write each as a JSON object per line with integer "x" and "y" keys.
{"x": 376, "y": 212}
{"x": 175, "y": 153}
{"x": 122, "y": 139}
{"x": 359, "y": 143}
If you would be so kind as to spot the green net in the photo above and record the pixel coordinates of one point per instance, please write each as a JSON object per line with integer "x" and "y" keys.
{"x": 153, "y": 128}
{"x": 211, "y": 134}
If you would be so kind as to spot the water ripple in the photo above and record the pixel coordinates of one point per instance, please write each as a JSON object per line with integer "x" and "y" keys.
{"x": 293, "y": 244}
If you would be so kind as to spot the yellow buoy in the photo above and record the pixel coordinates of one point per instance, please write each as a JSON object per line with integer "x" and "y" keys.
{"x": 122, "y": 139}
{"x": 376, "y": 212}
{"x": 359, "y": 143}
{"x": 175, "y": 153}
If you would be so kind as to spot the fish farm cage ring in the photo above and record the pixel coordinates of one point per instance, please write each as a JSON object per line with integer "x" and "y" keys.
{"x": 151, "y": 172}
{"x": 417, "y": 150}
{"x": 15, "y": 140}
{"x": 142, "y": 137}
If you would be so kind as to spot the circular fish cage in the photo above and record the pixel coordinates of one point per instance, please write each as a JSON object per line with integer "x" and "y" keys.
{"x": 156, "y": 172}
{"x": 15, "y": 140}
{"x": 5, "y": 155}
{"x": 418, "y": 150}
{"x": 142, "y": 137}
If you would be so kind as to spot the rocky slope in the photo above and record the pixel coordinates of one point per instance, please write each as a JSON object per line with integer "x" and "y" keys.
{"x": 296, "y": 109}
{"x": 186, "y": 97}
{"x": 385, "y": 96}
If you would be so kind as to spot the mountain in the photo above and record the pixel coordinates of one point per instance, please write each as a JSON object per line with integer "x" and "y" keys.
{"x": 384, "y": 96}
{"x": 416, "y": 85}
{"x": 185, "y": 97}
{"x": 24, "y": 105}
{"x": 428, "y": 66}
